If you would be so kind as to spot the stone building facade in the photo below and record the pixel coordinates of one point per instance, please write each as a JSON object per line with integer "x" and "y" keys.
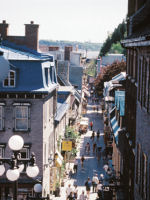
{"x": 138, "y": 100}
{"x": 28, "y": 99}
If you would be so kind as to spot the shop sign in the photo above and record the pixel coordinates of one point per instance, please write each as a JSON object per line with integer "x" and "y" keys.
{"x": 66, "y": 145}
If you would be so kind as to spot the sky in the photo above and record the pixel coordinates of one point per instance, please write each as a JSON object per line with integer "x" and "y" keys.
{"x": 73, "y": 20}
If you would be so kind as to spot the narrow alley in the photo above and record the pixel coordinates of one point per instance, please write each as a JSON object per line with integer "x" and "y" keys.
{"x": 91, "y": 164}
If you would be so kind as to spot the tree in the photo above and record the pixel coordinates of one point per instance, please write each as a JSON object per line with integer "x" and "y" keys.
{"x": 107, "y": 73}
{"x": 116, "y": 48}
{"x": 118, "y": 35}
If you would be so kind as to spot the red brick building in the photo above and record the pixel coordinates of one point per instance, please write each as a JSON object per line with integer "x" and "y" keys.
{"x": 30, "y": 39}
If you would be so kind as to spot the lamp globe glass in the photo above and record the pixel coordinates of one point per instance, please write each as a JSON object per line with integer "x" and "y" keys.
{"x": 32, "y": 171}
{"x": 2, "y": 170}
{"x": 12, "y": 174}
{"x": 16, "y": 143}
{"x": 38, "y": 188}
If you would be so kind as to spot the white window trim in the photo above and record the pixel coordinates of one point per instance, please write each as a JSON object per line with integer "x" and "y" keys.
{"x": 22, "y": 118}
{"x": 26, "y": 148}
{"x": 12, "y": 86}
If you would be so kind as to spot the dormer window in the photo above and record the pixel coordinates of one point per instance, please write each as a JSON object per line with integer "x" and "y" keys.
{"x": 10, "y": 80}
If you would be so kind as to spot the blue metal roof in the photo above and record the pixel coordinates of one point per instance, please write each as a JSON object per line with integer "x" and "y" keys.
{"x": 15, "y": 52}
{"x": 75, "y": 76}
{"x": 32, "y": 75}
{"x": 61, "y": 111}
{"x": 62, "y": 96}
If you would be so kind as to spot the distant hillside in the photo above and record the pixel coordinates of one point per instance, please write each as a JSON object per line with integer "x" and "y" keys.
{"x": 81, "y": 45}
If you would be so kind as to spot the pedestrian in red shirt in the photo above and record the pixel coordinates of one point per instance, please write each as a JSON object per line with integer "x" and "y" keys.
{"x": 91, "y": 125}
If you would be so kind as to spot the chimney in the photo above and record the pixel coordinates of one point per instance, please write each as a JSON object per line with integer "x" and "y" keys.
{"x": 32, "y": 35}
{"x": 4, "y": 29}
{"x": 68, "y": 49}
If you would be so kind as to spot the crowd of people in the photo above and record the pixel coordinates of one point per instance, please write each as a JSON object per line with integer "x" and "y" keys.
{"x": 96, "y": 184}
{"x": 92, "y": 147}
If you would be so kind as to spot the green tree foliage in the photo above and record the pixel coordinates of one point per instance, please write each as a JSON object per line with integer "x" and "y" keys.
{"x": 118, "y": 35}
{"x": 91, "y": 68}
{"x": 116, "y": 48}
{"x": 107, "y": 73}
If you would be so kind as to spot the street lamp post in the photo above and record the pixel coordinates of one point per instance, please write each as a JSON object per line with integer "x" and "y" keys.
{"x": 38, "y": 190}
{"x": 16, "y": 163}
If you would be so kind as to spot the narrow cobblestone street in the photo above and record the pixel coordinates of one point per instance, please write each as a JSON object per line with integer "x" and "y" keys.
{"x": 91, "y": 164}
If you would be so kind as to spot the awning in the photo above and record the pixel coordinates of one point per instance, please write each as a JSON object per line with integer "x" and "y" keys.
{"x": 58, "y": 159}
{"x": 115, "y": 128}
{"x": 62, "y": 109}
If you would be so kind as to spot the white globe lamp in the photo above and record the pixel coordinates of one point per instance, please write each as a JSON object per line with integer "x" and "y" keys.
{"x": 16, "y": 143}
{"x": 32, "y": 171}
{"x": 2, "y": 170}
{"x": 12, "y": 174}
{"x": 38, "y": 188}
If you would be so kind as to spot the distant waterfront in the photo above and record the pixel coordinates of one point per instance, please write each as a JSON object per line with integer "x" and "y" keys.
{"x": 90, "y": 54}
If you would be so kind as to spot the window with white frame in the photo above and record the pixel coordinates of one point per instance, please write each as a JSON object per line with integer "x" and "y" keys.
{"x": 10, "y": 80}
{"x": 24, "y": 152}
{"x": 21, "y": 117}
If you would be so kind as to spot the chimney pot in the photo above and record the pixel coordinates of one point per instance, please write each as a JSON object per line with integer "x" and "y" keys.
{"x": 4, "y": 21}
{"x": 32, "y": 22}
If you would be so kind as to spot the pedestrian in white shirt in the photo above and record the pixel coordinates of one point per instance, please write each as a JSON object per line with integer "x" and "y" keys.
{"x": 95, "y": 181}
{"x": 75, "y": 168}
{"x": 75, "y": 192}
{"x": 99, "y": 189}
{"x": 83, "y": 196}
{"x": 68, "y": 191}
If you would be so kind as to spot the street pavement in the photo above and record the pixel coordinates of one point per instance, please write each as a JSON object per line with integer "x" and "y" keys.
{"x": 91, "y": 164}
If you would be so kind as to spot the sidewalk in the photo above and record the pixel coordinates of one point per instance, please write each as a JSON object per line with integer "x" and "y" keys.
{"x": 91, "y": 165}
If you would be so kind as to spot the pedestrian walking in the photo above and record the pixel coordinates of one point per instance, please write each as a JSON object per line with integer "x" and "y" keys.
{"x": 98, "y": 134}
{"x": 68, "y": 191}
{"x": 71, "y": 196}
{"x": 91, "y": 125}
{"x": 75, "y": 167}
{"x": 101, "y": 178}
{"x": 75, "y": 192}
{"x": 94, "y": 147}
{"x": 88, "y": 187}
{"x": 87, "y": 148}
{"x": 97, "y": 109}
{"x": 95, "y": 182}
{"x": 83, "y": 196}
{"x": 93, "y": 135}
{"x": 99, "y": 153}
{"x": 99, "y": 190}
{"x": 82, "y": 161}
